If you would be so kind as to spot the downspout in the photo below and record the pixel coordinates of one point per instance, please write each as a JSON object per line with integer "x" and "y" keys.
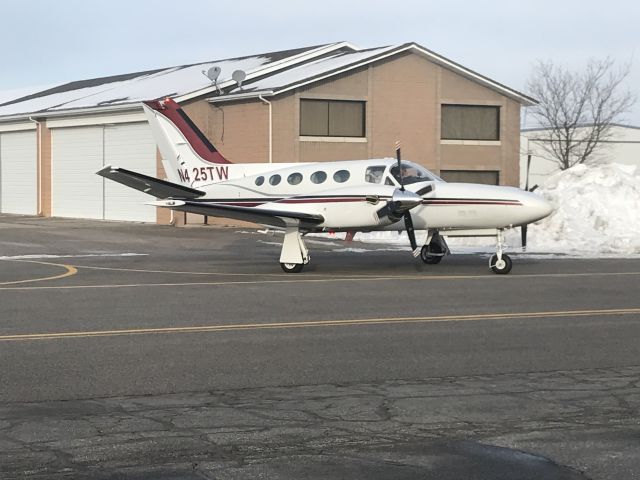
{"x": 270, "y": 128}
{"x": 39, "y": 146}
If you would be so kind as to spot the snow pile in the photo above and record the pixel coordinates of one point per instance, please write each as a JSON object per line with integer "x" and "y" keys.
{"x": 597, "y": 211}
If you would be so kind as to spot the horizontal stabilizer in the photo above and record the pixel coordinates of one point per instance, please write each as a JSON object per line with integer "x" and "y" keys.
{"x": 153, "y": 186}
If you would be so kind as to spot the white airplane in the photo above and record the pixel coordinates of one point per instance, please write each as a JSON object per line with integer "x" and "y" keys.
{"x": 345, "y": 196}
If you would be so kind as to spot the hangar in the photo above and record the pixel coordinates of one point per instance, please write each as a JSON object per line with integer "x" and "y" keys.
{"x": 321, "y": 103}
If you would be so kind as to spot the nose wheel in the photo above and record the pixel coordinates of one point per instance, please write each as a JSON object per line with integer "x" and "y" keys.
{"x": 500, "y": 265}
{"x": 292, "y": 267}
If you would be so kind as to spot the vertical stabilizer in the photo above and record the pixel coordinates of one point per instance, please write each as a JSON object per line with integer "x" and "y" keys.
{"x": 189, "y": 158}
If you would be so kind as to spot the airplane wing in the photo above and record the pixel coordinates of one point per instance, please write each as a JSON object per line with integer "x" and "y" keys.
{"x": 262, "y": 216}
{"x": 153, "y": 186}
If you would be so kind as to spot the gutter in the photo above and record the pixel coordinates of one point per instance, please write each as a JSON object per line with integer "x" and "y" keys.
{"x": 242, "y": 96}
{"x": 270, "y": 127}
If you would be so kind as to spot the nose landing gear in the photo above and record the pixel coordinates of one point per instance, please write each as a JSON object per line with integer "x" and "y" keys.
{"x": 500, "y": 262}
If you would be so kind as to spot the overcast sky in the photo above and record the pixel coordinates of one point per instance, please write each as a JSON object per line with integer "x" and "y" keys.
{"x": 46, "y": 41}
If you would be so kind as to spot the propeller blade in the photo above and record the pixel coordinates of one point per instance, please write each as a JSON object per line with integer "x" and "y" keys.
{"x": 523, "y": 233}
{"x": 398, "y": 157}
{"x": 408, "y": 224}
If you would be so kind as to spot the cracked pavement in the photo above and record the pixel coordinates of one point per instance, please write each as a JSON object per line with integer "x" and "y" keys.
{"x": 436, "y": 428}
{"x": 244, "y": 372}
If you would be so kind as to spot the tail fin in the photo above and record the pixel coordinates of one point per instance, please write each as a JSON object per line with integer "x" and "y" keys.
{"x": 183, "y": 146}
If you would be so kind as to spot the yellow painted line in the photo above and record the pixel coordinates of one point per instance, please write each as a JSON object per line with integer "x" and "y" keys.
{"x": 319, "y": 323}
{"x": 224, "y": 274}
{"x": 348, "y": 276}
{"x": 70, "y": 270}
{"x": 301, "y": 278}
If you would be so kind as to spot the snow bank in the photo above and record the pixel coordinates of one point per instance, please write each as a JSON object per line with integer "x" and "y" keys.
{"x": 597, "y": 211}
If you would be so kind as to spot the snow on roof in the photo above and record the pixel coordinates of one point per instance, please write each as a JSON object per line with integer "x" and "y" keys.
{"x": 131, "y": 88}
{"x": 310, "y": 71}
{"x": 16, "y": 93}
{"x": 270, "y": 72}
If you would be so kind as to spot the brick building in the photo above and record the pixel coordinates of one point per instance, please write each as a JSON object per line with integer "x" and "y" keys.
{"x": 323, "y": 103}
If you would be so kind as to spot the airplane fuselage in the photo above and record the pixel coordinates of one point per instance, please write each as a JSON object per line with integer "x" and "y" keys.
{"x": 351, "y": 200}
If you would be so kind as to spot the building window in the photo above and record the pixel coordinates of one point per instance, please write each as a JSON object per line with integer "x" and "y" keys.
{"x": 332, "y": 118}
{"x": 488, "y": 177}
{"x": 470, "y": 122}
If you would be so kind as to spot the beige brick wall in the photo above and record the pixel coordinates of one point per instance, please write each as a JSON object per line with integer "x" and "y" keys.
{"x": 240, "y": 131}
{"x": 45, "y": 173}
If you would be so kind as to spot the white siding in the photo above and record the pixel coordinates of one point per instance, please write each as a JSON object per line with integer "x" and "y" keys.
{"x": 19, "y": 173}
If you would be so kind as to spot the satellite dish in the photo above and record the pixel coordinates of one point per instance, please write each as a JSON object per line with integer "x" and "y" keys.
{"x": 213, "y": 73}
{"x": 239, "y": 76}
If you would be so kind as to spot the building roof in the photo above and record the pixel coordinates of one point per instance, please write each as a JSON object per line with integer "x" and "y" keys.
{"x": 267, "y": 74}
{"x": 544, "y": 129}
{"x": 343, "y": 61}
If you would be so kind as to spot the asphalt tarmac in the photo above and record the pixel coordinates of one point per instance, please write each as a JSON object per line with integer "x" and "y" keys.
{"x": 151, "y": 352}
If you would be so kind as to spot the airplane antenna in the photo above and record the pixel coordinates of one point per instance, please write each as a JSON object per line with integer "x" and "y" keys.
{"x": 212, "y": 74}
{"x": 239, "y": 76}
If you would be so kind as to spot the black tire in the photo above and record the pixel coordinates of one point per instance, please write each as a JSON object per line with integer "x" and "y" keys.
{"x": 429, "y": 259}
{"x": 501, "y": 269}
{"x": 292, "y": 267}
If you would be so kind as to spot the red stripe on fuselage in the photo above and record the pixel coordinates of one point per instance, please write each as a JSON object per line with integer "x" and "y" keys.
{"x": 311, "y": 200}
{"x": 513, "y": 203}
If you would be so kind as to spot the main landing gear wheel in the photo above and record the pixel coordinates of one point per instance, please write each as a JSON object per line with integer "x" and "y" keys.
{"x": 427, "y": 257}
{"x": 292, "y": 267}
{"x": 502, "y": 266}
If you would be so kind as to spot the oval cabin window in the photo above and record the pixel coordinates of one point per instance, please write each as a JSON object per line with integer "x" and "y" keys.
{"x": 341, "y": 176}
{"x": 318, "y": 177}
{"x": 259, "y": 180}
{"x": 274, "y": 179}
{"x": 294, "y": 178}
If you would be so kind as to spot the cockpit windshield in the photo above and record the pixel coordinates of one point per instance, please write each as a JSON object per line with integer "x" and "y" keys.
{"x": 413, "y": 173}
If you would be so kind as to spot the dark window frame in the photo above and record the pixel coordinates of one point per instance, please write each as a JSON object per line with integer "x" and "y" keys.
{"x": 497, "y": 108}
{"x": 329, "y": 101}
{"x": 445, "y": 173}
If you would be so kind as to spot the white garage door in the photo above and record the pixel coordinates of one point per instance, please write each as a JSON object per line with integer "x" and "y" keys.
{"x": 19, "y": 173}
{"x": 79, "y": 152}
{"x": 132, "y": 147}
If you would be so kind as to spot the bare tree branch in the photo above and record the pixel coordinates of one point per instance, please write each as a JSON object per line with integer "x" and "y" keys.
{"x": 578, "y": 109}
